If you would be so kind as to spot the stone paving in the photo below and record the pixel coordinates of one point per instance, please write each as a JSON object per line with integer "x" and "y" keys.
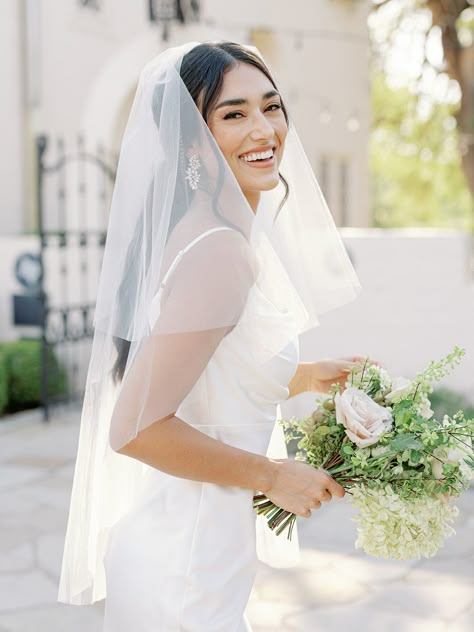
{"x": 334, "y": 589}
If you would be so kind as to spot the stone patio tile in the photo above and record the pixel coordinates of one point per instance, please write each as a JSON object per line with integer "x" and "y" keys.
{"x": 60, "y": 618}
{"x": 26, "y": 590}
{"x": 373, "y": 571}
{"x": 53, "y": 492}
{"x": 37, "y": 442}
{"x": 50, "y": 552}
{"x": 428, "y": 595}
{"x": 318, "y": 589}
{"x": 463, "y": 623}
{"x": 269, "y": 614}
{"x": 12, "y": 502}
{"x": 461, "y": 568}
{"x": 13, "y": 476}
{"x": 18, "y": 559}
{"x": 66, "y": 473}
{"x": 311, "y": 559}
{"x": 15, "y": 535}
{"x": 361, "y": 617}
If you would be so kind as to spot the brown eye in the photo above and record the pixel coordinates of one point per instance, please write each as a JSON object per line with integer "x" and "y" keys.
{"x": 233, "y": 115}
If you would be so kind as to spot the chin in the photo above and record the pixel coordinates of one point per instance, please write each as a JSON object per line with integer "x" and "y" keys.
{"x": 268, "y": 186}
{"x": 264, "y": 185}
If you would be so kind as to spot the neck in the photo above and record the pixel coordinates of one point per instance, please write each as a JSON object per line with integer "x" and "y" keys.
{"x": 253, "y": 198}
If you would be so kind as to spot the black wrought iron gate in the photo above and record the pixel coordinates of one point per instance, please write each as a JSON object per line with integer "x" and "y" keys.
{"x": 73, "y": 198}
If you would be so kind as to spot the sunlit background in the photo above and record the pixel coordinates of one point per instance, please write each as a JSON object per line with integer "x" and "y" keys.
{"x": 382, "y": 97}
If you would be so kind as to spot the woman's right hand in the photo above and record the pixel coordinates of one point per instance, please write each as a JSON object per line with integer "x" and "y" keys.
{"x": 298, "y": 487}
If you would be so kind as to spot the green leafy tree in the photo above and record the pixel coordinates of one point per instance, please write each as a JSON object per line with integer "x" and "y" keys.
{"x": 417, "y": 178}
{"x": 450, "y": 25}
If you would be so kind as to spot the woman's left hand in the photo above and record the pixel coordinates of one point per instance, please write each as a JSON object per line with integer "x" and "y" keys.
{"x": 324, "y": 373}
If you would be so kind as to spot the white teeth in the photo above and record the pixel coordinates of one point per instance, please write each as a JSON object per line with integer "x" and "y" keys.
{"x": 260, "y": 156}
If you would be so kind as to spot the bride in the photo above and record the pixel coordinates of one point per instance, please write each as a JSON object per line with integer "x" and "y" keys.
{"x": 220, "y": 252}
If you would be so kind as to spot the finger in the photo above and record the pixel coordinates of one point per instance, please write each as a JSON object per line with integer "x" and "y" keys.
{"x": 335, "y": 489}
{"x": 325, "y": 496}
{"x": 355, "y": 359}
{"x": 359, "y": 359}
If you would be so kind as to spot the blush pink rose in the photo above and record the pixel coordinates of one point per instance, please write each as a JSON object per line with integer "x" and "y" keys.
{"x": 364, "y": 420}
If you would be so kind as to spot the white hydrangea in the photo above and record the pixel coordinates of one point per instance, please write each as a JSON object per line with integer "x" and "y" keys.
{"x": 391, "y": 527}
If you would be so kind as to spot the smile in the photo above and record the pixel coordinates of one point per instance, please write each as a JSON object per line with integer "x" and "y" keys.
{"x": 259, "y": 159}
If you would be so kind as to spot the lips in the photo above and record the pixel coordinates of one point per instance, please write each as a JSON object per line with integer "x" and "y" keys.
{"x": 260, "y": 154}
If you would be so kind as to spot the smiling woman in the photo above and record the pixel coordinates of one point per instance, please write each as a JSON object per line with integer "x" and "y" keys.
{"x": 214, "y": 264}
{"x": 241, "y": 105}
{"x": 252, "y": 137}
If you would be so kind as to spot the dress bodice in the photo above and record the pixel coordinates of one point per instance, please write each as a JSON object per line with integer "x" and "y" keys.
{"x": 236, "y": 397}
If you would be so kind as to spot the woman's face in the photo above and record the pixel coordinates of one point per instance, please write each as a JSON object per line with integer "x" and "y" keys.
{"x": 249, "y": 126}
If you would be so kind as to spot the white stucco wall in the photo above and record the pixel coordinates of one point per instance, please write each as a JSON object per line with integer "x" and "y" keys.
{"x": 416, "y": 304}
{"x": 12, "y": 132}
{"x": 81, "y": 66}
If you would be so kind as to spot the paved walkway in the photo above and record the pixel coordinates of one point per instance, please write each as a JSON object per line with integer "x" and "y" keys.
{"x": 334, "y": 589}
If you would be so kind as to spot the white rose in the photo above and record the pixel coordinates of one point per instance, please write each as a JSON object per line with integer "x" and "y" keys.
{"x": 400, "y": 387}
{"x": 364, "y": 420}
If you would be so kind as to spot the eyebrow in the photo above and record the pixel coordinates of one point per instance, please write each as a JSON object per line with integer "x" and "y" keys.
{"x": 267, "y": 95}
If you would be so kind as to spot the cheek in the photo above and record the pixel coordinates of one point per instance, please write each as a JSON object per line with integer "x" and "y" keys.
{"x": 282, "y": 133}
{"x": 227, "y": 141}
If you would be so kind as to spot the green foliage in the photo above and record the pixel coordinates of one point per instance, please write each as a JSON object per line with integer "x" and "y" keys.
{"x": 23, "y": 372}
{"x": 417, "y": 177}
{"x": 3, "y": 383}
{"x": 406, "y": 441}
{"x": 437, "y": 370}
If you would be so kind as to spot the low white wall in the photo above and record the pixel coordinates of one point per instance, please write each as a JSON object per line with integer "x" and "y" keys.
{"x": 417, "y": 302}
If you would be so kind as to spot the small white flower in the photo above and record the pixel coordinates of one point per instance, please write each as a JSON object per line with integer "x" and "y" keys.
{"x": 400, "y": 387}
{"x": 425, "y": 408}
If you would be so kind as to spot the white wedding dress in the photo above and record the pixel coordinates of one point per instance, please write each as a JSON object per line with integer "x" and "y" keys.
{"x": 184, "y": 558}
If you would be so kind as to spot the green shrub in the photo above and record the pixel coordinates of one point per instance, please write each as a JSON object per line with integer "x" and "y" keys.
{"x": 445, "y": 401}
{"x": 23, "y": 367}
{"x": 3, "y": 383}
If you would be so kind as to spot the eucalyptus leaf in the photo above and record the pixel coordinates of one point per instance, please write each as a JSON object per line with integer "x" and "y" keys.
{"x": 406, "y": 441}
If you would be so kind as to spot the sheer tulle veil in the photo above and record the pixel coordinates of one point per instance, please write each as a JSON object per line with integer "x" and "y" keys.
{"x": 164, "y": 199}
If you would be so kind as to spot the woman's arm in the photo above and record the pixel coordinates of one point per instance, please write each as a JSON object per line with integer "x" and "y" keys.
{"x": 174, "y": 447}
{"x": 304, "y": 380}
{"x": 169, "y": 362}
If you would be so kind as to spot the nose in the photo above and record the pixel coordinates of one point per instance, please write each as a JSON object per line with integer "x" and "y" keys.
{"x": 261, "y": 127}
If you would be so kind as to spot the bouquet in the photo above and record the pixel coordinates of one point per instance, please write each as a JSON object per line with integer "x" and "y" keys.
{"x": 401, "y": 467}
